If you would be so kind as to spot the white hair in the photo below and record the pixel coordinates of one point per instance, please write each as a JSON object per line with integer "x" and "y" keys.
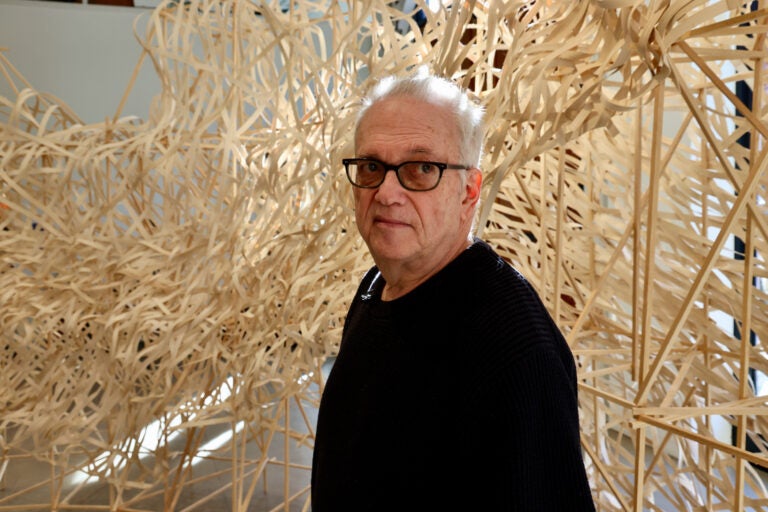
{"x": 436, "y": 90}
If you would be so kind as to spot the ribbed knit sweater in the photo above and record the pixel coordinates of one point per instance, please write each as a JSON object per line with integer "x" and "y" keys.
{"x": 460, "y": 395}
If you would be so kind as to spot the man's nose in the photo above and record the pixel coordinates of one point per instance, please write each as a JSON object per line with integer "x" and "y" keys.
{"x": 391, "y": 185}
{"x": 390, "y": 175}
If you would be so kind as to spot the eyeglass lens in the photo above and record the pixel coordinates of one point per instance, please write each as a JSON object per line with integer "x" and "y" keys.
{"x": 412, "y": 175}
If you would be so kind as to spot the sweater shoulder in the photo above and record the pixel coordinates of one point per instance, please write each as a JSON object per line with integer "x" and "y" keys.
{"x": 504, "y": 316}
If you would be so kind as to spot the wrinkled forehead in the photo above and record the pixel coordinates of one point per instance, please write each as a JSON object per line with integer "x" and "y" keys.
{"x": 408, "y": 121}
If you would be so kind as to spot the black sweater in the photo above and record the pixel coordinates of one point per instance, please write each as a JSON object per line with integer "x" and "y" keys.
{"x": 460, "y": 395}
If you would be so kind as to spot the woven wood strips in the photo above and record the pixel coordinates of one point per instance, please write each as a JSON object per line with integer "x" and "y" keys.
{"x": 191, "y": 271}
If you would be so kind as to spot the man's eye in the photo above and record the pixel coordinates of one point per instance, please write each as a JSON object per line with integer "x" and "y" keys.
{"x": 371, "y": 167}
{"x": 426, "y": 168}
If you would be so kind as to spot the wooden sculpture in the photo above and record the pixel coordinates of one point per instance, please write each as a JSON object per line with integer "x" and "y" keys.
{"x": 166, "y": 280}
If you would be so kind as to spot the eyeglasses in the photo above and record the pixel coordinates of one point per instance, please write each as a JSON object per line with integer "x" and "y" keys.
{"x": 414, "y": 176}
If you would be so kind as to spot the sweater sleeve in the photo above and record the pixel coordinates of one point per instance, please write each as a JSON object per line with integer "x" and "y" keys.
{"x": 521, "y": 394}
{"x": 526, "y": 426}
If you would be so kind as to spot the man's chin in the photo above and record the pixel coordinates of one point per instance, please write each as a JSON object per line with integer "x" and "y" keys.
{"x": 388, "y": 252}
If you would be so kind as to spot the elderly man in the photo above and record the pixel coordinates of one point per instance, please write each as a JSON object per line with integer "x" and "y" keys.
{"x": 453, "y": 388}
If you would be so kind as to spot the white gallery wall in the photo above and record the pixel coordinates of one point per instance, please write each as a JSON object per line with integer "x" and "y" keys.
{"x": 83, "y": 54}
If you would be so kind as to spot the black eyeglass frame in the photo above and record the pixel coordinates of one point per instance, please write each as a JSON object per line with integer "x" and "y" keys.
{"x": 441, "y": 166}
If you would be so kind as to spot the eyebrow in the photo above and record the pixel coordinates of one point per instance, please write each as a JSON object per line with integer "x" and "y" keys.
{"x": 412, "y": 153}
{"x": 420, "y": 151}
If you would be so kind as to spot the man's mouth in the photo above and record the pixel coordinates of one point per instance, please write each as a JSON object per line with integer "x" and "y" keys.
{"x": 387, "y": 221}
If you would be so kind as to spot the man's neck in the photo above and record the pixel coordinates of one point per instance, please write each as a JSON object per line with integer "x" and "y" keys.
{"x": 400, "y": 279}
{"x": 395, "y": 291}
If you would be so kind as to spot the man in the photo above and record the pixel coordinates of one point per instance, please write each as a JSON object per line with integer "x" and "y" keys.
{"x": 453, "y": 389}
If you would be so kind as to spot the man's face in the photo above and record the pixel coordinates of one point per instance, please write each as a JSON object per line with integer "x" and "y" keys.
{"x": 417, "y": 231}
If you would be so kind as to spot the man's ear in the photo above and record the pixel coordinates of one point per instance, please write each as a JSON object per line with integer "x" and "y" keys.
{"x": 473, "y": 186}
